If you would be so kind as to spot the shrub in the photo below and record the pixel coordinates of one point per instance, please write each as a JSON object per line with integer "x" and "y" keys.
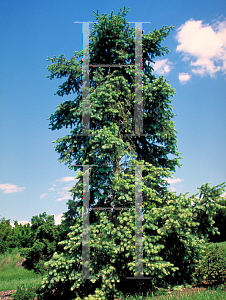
{"x": 5, "y": 233}
{"x": 220, "y": 223}
{"x": 23, "y": 293}
{"x": 212, "y": 266}
{"x": 44, "y": 234}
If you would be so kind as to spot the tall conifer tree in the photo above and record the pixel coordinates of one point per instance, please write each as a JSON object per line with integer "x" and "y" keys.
{"x": 112, "y": 98}
{"x": 112, "y": 181}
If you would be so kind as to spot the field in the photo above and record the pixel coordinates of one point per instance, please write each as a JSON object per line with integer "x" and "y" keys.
{"x": 13, "y": 275}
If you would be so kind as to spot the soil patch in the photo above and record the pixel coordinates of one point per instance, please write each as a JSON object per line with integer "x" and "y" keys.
{"x": 6, "y": 295}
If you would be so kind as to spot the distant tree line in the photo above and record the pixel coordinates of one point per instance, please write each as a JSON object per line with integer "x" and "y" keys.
{"x": 11, "y": 237}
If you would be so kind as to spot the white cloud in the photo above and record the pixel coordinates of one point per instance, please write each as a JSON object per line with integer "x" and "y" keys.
{"x": 173, "y": 180}
{"x": 203, "y": 45}
{"x": 10, "y": 188}
{"x": 21, "y": 222}
{"x": 162, "y": 66}
{"x": 51, "y": 189}
{"x": 184, "y": 77}
{"x": 63, "y": 198}
{"x": 24, "y": 222}
{"x": 65, "y": 189}
{"x": 64, "y": 193}
{"x": 67, "y": 179}
{"x": 58, "y": 219}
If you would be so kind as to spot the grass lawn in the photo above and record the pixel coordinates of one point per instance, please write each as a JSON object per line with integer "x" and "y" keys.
{"x": 12, "y": 275}
{"x": 199, "y": 295}
{"x": 222, "y": 244}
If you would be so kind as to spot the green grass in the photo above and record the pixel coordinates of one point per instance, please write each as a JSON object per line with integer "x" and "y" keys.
{"x": 12, "y": 276}
{"x": 195, "y": 296}
{"x": 208, "y": 294}
{"x": 221, "y": 244}
{"x": 204, "y": 295}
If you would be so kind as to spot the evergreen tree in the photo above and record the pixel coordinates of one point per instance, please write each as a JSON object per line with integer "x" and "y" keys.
{"x": 113, "y": 182}
{"x": 112, "y": 95}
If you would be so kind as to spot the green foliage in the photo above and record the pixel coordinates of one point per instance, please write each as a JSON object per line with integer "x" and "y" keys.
{"x": 212, "y": 265}
{"x": 23, "y": 293}
{"x": 16, "y": 237}
{"x": 189, "y": 229}
{"x": 68, "y": 220}
{"x": 172, "y": 245}
{"x": 21, "y": 235}
{"x": 44, "y": 236}
{"x": 206, "y": 208}
{"x": 220, "y": 223}
{"x": 5, "y": 233}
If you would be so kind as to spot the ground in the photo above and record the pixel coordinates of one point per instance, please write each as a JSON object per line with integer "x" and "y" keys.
{"x": 6, "y": 294}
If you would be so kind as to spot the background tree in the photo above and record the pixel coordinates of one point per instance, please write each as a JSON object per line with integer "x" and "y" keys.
{"x": 220, "y": 222}
{"x": 112, "y": 97}
{"x": 45, "y": 236}
{"x": 21, "y": 235}
{"x": 203, "y": 210}
{"x": 12, "y": 237}
{"x": 5, "y": 234}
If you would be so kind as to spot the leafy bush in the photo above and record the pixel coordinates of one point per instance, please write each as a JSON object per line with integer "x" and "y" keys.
{"x": 20, "y": 236}
{"x": 5, "y": 233}
{"x": 23, "y": 293}
{"x": 220, "y": 223}
{"x": 44, "y": 234}
{"x": 16, "y": 237}
{"x": 212, "y": 266}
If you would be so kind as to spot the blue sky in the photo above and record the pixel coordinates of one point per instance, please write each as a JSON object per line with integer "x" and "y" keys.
{"x": 32, "y": 180}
